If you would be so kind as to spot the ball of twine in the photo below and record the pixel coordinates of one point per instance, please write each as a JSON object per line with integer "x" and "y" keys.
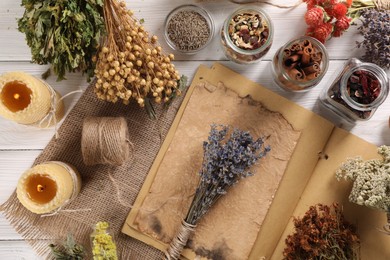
{"x": 105, "y": 140}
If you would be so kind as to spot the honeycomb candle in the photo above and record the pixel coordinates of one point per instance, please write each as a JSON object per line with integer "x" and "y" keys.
{"x": 47, "y": 187}
{"x": 28, "y": 100}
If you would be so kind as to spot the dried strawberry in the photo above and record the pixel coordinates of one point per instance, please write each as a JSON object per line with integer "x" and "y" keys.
{"x": 314, "y": 17}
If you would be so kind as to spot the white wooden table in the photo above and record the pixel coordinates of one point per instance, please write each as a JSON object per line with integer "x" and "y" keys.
{"x": 20, "y": 145}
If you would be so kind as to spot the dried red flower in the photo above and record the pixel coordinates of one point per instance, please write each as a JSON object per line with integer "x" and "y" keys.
{"x": 322, "y": 32}
{"x": 342, "y": 24}
{"x": 322, "y": 233}
{"x": 339, "y": 10}
{"x": 310, "y": 3}
{"x": 327, "y": 18}
{"x": 337, "y": 33}
{"x": 314, "y": 17}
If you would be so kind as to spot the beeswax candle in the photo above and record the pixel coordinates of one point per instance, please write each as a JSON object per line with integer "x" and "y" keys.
{"x": 48, "y": 186}
{"x": 28, "y": 100}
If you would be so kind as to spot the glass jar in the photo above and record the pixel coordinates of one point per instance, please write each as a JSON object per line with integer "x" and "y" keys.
{"x": 188, "y": 29}
{"x": 247, "y": 35}
{"x": 353, "y": 96}
{"x": 300, "y": 64}
{"x": 102, "y": 242}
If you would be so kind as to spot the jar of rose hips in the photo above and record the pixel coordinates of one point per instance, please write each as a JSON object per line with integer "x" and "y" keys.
{"x": 246, "y": 35}
{"x": 357, "y": 92}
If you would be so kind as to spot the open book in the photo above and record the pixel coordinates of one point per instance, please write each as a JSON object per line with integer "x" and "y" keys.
{"x": 254, "y": 218}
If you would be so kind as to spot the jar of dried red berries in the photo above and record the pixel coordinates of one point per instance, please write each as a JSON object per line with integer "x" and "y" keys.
{"x": 358, "y": 91}
{"x": 246, "y": 35}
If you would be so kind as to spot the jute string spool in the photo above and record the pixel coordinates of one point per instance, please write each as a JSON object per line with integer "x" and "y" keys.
{"x": 105, "y": 140}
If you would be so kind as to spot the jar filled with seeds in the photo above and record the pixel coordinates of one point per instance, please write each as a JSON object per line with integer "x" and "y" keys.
{"x": 357, "y": 92}
{"x": 246, "y": 35}
{"x": 188, "y": 29}
{"x": 300, "y": 64}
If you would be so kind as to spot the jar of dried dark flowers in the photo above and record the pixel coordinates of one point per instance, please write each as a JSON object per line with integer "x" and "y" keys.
{"x": 246, "y": 35}
{"x": 358, "y": 91}
{"x": 300, "y": 64}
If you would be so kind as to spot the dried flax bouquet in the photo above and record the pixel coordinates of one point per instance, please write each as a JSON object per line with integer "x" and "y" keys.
{"x": 226, "y": 160}
{"x": 371, "y": 181}
{"x": 131, "y": 65}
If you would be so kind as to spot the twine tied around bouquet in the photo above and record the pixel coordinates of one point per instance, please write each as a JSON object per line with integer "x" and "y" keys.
{"x": 178, "y": 243}
{"x": 105, "y": 140}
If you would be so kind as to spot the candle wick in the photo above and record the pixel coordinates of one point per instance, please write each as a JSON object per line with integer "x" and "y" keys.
{"x": 16, "y": 96}
{"x": 40, "y": 188}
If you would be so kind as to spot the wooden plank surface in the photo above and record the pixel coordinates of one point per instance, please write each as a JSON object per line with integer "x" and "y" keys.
{"x": 19, "y": 145}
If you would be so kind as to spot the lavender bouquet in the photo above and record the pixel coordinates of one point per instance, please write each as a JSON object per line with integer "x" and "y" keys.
{"x": 226, "y": 161}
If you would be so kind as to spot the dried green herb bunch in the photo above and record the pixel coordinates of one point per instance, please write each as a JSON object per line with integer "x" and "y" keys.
{"x": 371, "y": 180}
{"x": 322, "y": 233}
{"x": 131, "y": 65}
{"x": 64, "y": 33}
{"x": 70, "y": 250}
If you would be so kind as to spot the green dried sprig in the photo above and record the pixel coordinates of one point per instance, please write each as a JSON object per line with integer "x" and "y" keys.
{"x": 64, "y": 33}
{"x": 70, "y": 250}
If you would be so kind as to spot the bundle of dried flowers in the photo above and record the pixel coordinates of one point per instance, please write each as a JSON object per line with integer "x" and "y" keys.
{"x": 327, "y": 18}
{"x": 103, "y": 245}
{"x": 131, "y": 65}
{"x": 226, "y": 161}
{"x": 375, "y": 29}
{"x": 330, "y": 18}
{"x": 322, "y": 233}
{"x": 371, "y": 181}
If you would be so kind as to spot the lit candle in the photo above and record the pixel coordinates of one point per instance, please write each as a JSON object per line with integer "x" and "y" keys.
{"x": 28, "y": 100}
{"x": 48, "y": 186}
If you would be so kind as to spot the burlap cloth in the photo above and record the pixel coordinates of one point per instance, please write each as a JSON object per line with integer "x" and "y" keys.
{"x": 108, "y": 199}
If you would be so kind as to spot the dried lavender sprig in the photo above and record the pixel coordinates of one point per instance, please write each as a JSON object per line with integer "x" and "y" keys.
{"x": 225, "y": 162}
{"x": 375, "y": 29}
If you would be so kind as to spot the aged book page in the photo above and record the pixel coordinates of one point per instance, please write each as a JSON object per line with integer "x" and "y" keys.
{"x": 313, "y": 133}
{"x": 230, "y": 228}
{"x": 324, "y": 188}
